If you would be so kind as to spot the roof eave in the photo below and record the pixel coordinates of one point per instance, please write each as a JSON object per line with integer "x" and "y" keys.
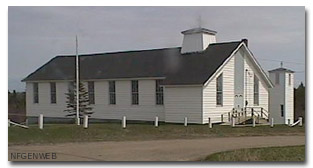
{"x": 199, "y": 30}
{"x": 280, "y": 70}
{"x": 181, "y": 85}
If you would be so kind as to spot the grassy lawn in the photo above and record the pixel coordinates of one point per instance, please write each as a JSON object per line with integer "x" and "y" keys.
{"x": 287, "y": 153}
{"x": 59, "y": 133}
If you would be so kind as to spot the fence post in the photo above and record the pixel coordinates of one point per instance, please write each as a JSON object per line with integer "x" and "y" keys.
{"x": 252, "y": 112}
{"x": 185, "y": 121}
{"x": 40, "y": 121}
{"x": 210, "y": 123}
{"x": 288, "y": 121}
{"x": 228, "y": 116}
{"x": 85, "y": 121}
{"x": 156, "y": 122}
{"x": 261, "y": 112}
{"x": 253, "y": 121}
{"x": 222, "y": 118}
{"x": 124, "y": 122}
{"x": 272, "y": 122}
{"x": 238, "y": 116}
{"x": 258, "y": 118}
{"x": 245, "y": 115}
{"x": 300, "y": 121}
{"x": 233, "y": 122}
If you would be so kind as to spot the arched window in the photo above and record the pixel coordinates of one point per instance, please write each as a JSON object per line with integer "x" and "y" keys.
{"x": 91, "y": 92}
{"x": 35, "y": 93}
{"x": 256, "y": 91}
{"x": 53, "y": 93}
{"x": 219, "y": 90}
{"x": 135, "y": 92}
{"x": 159, "y": 92}
{"x": 112, "y": 99}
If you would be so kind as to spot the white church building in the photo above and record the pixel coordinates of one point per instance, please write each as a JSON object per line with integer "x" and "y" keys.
{"x": 202, "y": 79}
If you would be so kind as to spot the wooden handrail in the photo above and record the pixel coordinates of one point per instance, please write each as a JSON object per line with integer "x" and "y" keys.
{"x": 254, "y": 111}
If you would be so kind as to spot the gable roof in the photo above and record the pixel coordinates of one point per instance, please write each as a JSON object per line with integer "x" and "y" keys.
{"x": 176, "y": 68}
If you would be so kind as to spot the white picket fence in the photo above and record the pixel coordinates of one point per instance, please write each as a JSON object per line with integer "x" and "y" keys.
{"x": 156, "y": 122}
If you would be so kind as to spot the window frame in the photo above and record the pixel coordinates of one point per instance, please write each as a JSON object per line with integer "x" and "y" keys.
{"x": 71, "y": 91}
{"x": 112, "y": 93}
{"x": 135, "y": 92}
{"x": 53, "y": 93}
{"x": 35, "y": 93}
{"x": 159, "y": 93}
{"x": 219, "y": 93}
{"x": 91, "y": 92}
{"x": 282, "y": 110}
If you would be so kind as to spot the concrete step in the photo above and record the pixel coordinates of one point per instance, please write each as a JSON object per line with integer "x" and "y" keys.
{"x": 261, "y": 121}
{"x": 248, "y": 122}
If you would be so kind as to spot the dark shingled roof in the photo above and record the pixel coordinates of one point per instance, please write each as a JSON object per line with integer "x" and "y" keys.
{"x": 177, "y": 68}
{"x": 281, "y": 69}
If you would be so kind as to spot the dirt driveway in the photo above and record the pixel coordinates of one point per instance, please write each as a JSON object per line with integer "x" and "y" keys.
{"x": 155, "y": 150}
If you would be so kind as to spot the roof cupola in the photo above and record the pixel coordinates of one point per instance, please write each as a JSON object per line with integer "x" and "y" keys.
{"x": 197, "y": 39}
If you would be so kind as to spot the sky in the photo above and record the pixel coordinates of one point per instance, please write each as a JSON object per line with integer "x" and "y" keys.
{"x": 37, "y": 34}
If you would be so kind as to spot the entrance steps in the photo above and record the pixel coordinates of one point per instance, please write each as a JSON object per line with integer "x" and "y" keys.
{"x": 245, "y": 116}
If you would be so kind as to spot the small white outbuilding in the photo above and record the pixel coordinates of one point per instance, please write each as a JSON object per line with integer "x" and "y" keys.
{"x": 282, "y": 95}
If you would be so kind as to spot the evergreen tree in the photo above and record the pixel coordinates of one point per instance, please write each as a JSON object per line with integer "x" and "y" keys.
{"x": 299, "y": 99}
{"x": 84, "y": 106}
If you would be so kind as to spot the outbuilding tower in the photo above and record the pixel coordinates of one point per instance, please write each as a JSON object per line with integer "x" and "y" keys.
{"x": 281, "y": 100}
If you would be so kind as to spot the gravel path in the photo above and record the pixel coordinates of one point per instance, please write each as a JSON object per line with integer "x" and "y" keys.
{"x": 154, "y": 150}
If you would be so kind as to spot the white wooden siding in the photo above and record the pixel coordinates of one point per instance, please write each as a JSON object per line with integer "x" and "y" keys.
{"x": 146, "y": 110}
{"x": 249, "y": 82}
{"x": 210, "y": 109}
{"x": 44, "y": 106}
{"x": 181, "y": 102}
